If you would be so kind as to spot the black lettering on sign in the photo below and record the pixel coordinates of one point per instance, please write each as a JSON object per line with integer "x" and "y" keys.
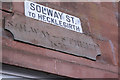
{"x": 40, "y": 12}
{"x": 29, "y": 13}
{"x": 72, "y": 19}
{"x": 60, "y": 14}
{"x": 52, "y": 20}
{"x": 40, "y": 17}
{"x": 32, "y": 14}
{"x": 64, "y": 24}
{"x": 67, "y": 18}
{"x": 44, "y": 18}
{"x": 77, "y": 28}
{"x": 49, "y": 12}
{"x": 48, "y": 19}
{"x": 56, "y": 22}
{"x": 44, "y": 10}
{"x": 38, "y": 8}
{"x": 32, "y": 6}
{"x": 56, "y": 15}
{"x": 74, "y": 27}
{"x": 70, "y": 26}
{"x": 60, "y": 23}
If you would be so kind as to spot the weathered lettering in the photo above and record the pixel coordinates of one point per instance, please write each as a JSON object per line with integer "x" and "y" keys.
{"x": 46, "y": 35}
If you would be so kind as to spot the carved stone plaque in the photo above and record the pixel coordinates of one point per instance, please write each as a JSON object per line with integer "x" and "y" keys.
{"x": 35, "y": 32}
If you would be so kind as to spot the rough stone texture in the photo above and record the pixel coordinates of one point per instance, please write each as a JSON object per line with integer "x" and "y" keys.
{"x": 54, "y": 62}
{"x": 101, "y": 25}
{"x": 7, "y": 6}
{"x": 118, "y": 17}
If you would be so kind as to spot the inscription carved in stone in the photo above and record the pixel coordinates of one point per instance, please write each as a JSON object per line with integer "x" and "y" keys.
{"x": 47, "y": 35}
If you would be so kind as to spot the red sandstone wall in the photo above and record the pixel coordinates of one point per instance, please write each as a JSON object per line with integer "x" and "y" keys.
{"x": 99, "y": 21}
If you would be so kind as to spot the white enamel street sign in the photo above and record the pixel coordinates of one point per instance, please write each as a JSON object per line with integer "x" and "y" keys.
{"x": 49, "y": 15}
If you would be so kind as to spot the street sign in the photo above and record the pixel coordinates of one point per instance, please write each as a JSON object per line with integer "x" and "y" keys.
{"x": 39, "y": 33}
{"x": 52, "y": 16}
